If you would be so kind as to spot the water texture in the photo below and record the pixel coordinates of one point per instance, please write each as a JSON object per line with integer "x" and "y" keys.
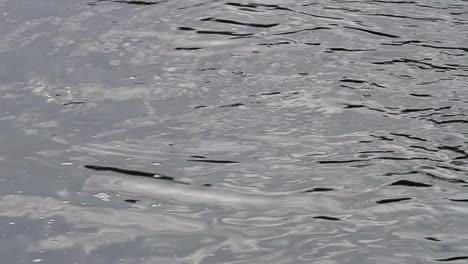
{"x": 233, "y": 131}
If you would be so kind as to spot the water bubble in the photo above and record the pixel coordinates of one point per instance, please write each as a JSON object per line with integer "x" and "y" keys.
{"x": 103, "y": 196}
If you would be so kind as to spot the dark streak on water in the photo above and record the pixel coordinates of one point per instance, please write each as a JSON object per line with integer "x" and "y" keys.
{"x": 296, "y": 131}
{"x": 133, "y": 173}
{"x": 394, "y": 200}
{"x": 330, "y": 218}
{"x": 232, "y": 105}
{"x": 132, "y": 201}
{"x": 410, "y": 183}
{"x": 374, "y": 32}
{"x": 318, "y": 189}
{"x": 459, "y": 200}
{"x": 453, "y": 259}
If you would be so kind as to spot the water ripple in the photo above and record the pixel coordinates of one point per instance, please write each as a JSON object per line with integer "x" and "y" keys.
{"x": 208, "y": 131}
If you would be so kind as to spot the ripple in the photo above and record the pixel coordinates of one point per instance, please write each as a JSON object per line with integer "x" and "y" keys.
{"x": 283, "y": 131}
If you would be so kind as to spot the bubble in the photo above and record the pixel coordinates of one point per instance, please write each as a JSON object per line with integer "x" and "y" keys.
{"x": 103, "y": 196}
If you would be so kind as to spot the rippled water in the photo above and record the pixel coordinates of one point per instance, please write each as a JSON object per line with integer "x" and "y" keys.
{"x": 233, "y": 131}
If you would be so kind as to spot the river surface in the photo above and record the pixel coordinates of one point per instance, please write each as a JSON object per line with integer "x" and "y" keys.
{"x": 226, "y": 131}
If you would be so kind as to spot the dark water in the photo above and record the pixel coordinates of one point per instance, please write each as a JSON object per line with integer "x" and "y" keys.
{"x": 233, "y": 131}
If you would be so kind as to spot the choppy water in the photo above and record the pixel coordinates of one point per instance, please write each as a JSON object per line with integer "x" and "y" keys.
{"x": 233, "y": 131}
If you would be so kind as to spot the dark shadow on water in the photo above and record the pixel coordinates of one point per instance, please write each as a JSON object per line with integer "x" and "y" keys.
{"x": 133, "y": 173}
{"x": 330, "y": 218}
{"x": 409, "y": 184}
{"x": 395, "y": 200}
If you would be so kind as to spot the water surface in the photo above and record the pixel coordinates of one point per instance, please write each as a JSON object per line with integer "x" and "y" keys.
{"x": 233, "y": 131}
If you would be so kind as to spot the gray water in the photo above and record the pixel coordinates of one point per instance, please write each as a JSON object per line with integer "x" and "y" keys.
{"x": 233, "y": 132}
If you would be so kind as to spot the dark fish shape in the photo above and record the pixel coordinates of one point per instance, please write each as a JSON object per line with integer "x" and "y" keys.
{"x": 348, "y": 50}
{"x": 198, "y": 157}
{"x": 351, "y": 106}
{"x": 232, "y": 105}
{"x": 330, "y": 218}
{"x": 272, "y": 93}
{"x": 420, "y": 95}
{"x": 394, "y": 200}
{"x": 432, "y": 239}
{"x": 409, "y": 184}
{"x": 186, "y": 28}
{"x": 353, "y": 81}
{"x": 319, "y": 189}
{"x": 133, "y": 201}
{"x": 133, "y": 173}
{"x": 453, "y": 258}
{"x": 208, "y": 69}
{"x": 312, "y": 43}
{"x": 376, "y": 151}
{"x": 340, "y": 161}
{"x": 188, "y": 48}
{"x": 459, "y": 200}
